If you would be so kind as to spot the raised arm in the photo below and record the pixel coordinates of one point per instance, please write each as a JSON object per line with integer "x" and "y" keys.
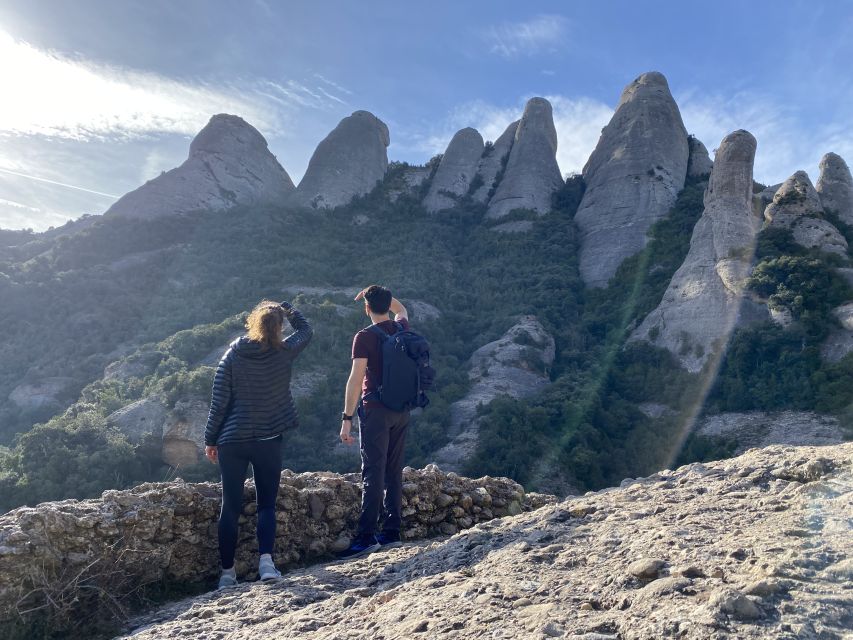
{"x": 399, "y": 311}
{"x": 302, "y": 331}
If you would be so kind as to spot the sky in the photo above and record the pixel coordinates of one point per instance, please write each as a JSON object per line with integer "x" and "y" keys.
{"x": 98, "y": 96}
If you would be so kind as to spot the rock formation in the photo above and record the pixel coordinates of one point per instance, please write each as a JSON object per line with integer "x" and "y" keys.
{"x": 515, "y": 365}
{"x": 229, "y": 165}
{"x": 45, "y": 393}
{"x": 167, "y": 531}
{"x": 347, "y": 163}
{"x": 704, "y": 300}
{"x": 698, "y": 162}
{"x": 532, "y": 174}
{"x": 456, "y": 171}
{"x": 835, "y": 187}
{"x": 797, "y": 206}
{"x": 754, "y": 429}
{"x": 632, "y": 177}
{"x": 493, "y": 162}
{"x": 758, "y": 547}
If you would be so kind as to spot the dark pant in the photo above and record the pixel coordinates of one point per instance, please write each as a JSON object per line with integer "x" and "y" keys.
{"x": 234, "y": 460}
{"x": 383, "y": 438}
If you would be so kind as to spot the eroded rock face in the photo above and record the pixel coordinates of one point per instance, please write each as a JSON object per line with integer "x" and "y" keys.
{"x": 753, "y": 429}
{"x": 756, "y": 547}
{"x": 42, "y": 394}
{"x": 698, "y": 162}
{"x": 704, "y": 300}
{"x": 516, "y": 365}
{"x": 140, "y": 419}
{"x": 493, "y": 163}
{"x": 456, "y": 171}
{"x": 797, "y": 206}
{"x": 229, "y": 164}
{"x": 632, "y": 177}
{"x": 167, "y": 531}
{"x": 835, "y": 186}
{"x": 532, "y": 174}
{"x": 347, "y": 163}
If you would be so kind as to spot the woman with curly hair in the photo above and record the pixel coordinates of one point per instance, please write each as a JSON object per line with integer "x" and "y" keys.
{"x": 250, "y": 409}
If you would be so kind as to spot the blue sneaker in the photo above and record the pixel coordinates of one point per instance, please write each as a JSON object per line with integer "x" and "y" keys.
{"x": 361, "y": 546}
{"x": 389, "y": 539}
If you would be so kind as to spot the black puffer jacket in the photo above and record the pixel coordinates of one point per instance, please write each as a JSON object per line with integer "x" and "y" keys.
{"x": 251, "y": 389}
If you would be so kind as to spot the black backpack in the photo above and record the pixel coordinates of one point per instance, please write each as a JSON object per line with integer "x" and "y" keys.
{"x": 406, "y": 372}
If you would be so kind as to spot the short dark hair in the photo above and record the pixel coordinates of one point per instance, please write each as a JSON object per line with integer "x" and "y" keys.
{"x": 378, "y": 299}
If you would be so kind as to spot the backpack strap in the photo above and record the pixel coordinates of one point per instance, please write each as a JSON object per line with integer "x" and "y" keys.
{"x": 374, "y": 328}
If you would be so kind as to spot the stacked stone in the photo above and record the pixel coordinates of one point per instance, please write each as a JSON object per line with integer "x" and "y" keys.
{"x": 167, "y": 531}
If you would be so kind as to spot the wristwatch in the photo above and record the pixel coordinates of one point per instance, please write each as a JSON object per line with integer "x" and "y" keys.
{"x": 344, "y": 416}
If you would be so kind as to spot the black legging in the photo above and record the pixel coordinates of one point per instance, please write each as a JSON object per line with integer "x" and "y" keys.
{"x": 234, "y": 459}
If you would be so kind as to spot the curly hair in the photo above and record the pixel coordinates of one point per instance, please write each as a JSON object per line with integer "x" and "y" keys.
{"x": 265, "y": 323}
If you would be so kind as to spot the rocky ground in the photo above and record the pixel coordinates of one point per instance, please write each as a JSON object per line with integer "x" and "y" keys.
{"x": 753, "y": 547}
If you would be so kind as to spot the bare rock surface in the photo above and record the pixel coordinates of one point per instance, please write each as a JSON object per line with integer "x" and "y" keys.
{"x": 753, "y": 429}
{"x": 838, "y": 344}
{"x": 632, "y": 177}
{"x": 797, "y": 206}
{"x": 456, "y": 170}
{"x": 753, "y": 547}
{"x": 409, "y": 182}
{"x": 531, "y": 175}
{"x": 835, "y": 186}
{"x": 516, "y": 365}
{"x": 167, "y": 531}
{"x": 347, "y": 163}
{"x": 698, "y": 162}
{"x": 229, "y": 164}
{"x": 142, "y": 418}
{"x": 704, "y": 300}
{"x": 493, "y": 162}
{"x": 41, "y": 393}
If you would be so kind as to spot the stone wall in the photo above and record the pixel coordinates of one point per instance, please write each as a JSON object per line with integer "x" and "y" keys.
{"x": 166, "y": 532}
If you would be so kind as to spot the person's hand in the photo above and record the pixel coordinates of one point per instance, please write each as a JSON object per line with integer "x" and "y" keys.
{"x": 346, "y": 436}
{"x": 360, "y": 295}
{"x": 212, "y": 454}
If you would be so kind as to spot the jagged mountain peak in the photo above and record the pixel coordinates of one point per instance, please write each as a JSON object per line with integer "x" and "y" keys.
{"x": 632, "y": 177}
{"x": 456, "y": 170}
{"x": 229, "y": 164}
{"x": 835, "y": 186}
{"x": 226, "y": 133}
{"x": 347, "y": 163}
{"x": 531, "y": 173}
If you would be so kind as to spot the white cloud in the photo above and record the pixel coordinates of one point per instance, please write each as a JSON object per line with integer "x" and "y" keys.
{"x": 785, "y": 144}
{"x": 58, "y": 96}
{"x": 543, "y": 33}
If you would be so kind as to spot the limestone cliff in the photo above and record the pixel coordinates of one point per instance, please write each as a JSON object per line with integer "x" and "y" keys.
{"x": 632, "y": 177}
{"x": 493, "y": 163}
{"x": 456, "y": 170}
{"x": 698, "y": 162}
{"x": 229, "y": 165}
{"x": 531, "y": 175}
{"x": 754, "y": 547}
{"x": 516, "y": 365}
{"x": 797, "y": 206}
{"x": 704, "y": 300}
{"x": 347, "y": 163}
{"x": 835, "y": 187}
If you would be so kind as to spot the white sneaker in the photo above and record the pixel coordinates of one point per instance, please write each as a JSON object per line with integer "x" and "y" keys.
{"x": 227, "y": 579}
{"x": 267, "y": 570}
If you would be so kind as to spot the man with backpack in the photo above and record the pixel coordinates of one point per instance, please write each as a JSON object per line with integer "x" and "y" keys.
{"x": 390, "y": 370}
